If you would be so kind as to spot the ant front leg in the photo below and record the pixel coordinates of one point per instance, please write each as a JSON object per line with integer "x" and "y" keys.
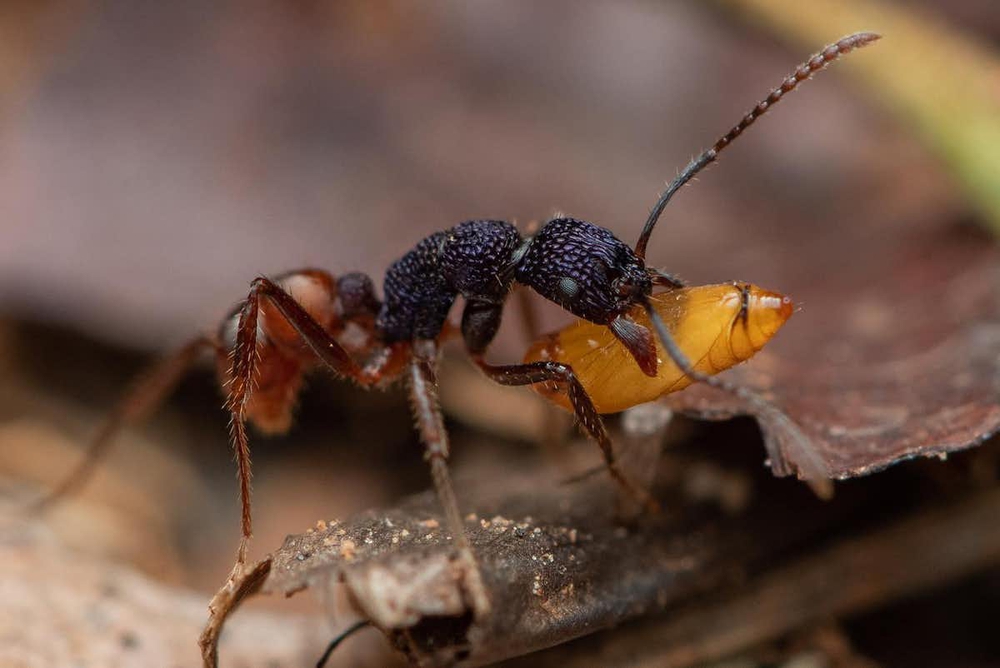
{"x": 554, "y": 423}
{"x": 243, "y": 373}
{"x": 663, "y": 279}
{"x": 427, "y": 411}
{"x": 145, "y": 395}
{"x": 583, "y": 407}
{"x": 480, "y": 322}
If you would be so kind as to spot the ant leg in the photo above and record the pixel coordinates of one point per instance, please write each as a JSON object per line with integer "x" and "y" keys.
{"x": 664, "y": 279}
{"x": 341, "y": 637}
{"x": 322, "y": 344}
{"x": 554, "y": 422}
{"x": 541, "y": 372}
{"x": 426, "y": 409}
{"x": 813, "y": 469}
{"x": 147, "y": 392}
{"x": 244, "y": 371}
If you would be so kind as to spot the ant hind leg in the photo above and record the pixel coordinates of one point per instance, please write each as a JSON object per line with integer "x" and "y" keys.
{"x": 147, "y": 393}
{"x": 243, "y": 372}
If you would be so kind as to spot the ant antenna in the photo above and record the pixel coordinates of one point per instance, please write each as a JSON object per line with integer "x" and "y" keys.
{"x": 349, "y": 631}
{"x": 778, "y": 429}
{"x": 816, "y": 63}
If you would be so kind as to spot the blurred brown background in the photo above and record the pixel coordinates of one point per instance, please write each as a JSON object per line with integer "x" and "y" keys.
{"x": 155, "y": 157}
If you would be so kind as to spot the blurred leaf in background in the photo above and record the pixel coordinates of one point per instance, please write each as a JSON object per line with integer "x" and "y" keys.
{"x": 942, "y": 81}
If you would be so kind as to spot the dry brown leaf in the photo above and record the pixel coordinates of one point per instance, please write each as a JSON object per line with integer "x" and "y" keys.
{"x": 555, "y": 560}
{"x": 61, "y": 608}
{"x": 906, "y": 366}
{"x": 559, "y": 566}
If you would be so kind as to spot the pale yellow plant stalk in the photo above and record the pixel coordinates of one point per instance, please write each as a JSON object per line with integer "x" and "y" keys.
{"x": 942, "y": 82}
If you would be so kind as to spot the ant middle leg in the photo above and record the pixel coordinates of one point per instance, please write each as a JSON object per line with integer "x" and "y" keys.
{"x": 142, "y": 398}
{"x": 427, "y": 411}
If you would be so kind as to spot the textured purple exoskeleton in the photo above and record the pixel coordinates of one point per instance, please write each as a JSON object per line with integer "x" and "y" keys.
{"x": 580, "y": 266}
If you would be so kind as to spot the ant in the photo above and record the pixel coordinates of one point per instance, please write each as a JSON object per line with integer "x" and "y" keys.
{"x": 307, "y": 318}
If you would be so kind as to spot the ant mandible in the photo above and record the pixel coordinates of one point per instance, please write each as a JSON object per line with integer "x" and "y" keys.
{"x": 305, "y": 318}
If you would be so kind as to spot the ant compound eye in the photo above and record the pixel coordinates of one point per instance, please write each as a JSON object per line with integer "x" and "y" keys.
{"x": 584, "y": 268}
{"x": 568, "y": 287}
